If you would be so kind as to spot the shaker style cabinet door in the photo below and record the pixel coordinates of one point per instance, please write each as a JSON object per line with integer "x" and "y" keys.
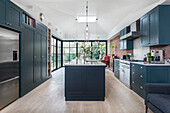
{"x": 144, "y": 30}
{"x": 153, "y": 27}
{"x": 74, "y": 82}
{"x": 10, "y": 15}
{"x": 44, "y": 56}
{"x": 2, "y": 12}
{"x": 95, "y": 81}
{"x": 37, "y": 57}
{"x": 13, "y": 16}
{"x": 121, "y": 44}
{"x": 27, "y": 60}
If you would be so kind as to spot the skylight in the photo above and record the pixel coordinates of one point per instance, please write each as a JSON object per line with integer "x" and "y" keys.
{"x": 84, "y": 19}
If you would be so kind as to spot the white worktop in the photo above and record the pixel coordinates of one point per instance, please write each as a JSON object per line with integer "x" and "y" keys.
{"x": 142, "y": 63}
{"x": 81, "y": 62}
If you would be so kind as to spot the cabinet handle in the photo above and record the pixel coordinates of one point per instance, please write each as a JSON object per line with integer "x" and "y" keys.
{"x": 133, "y": 65}
{"x": 133, "y": 82}
{"x": 141, "y": 67}
{"x": 42, "y": 56}
{"x": 141, "y": 76}
{"x": 7, "y": 23}
{"x": 141, "y": 87}
{"x": 133, "y": 73}
{"x": 35, "y": 56}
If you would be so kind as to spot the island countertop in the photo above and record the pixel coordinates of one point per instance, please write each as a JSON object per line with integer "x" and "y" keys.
{"x": 82, "y": 62}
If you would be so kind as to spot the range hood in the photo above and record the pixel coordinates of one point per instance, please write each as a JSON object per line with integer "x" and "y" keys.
{"x": 134, "y": 31}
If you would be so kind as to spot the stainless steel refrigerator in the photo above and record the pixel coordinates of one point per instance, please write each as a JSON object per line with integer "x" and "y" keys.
{"x": 9, "y": 67}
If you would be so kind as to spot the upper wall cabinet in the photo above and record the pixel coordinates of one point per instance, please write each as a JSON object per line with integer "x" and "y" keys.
{"x": 125, "y": 31}
{"x": 126, "y": 44}
{"x": 10, "y": 15}
{"x": 155, "y": 26}
{"x": 2, "y": 12}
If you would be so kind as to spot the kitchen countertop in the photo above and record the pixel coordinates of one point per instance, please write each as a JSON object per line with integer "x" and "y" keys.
{"x": 142, "y": 63}
{"x": 80, "y": 62}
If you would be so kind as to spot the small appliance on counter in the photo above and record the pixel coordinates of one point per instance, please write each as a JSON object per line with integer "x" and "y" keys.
{"x": 158, "y": 56}
{"x": 123, "y": 57}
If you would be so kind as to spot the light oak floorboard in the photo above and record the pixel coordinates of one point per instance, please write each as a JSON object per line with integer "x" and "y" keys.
{"x": 49, "y": 98}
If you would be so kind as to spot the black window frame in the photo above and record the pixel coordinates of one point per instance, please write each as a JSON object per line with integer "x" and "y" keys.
{"x": 78, "y": 47}
{"x": 57, "y": 39}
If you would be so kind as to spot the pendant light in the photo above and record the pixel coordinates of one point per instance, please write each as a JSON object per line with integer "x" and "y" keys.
{"x": 87, "y": 24}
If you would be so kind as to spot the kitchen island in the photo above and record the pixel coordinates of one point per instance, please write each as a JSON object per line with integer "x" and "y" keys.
{"x": 84, "y": 81}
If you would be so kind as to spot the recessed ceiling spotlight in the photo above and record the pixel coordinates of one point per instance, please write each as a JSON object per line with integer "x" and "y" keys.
{"x": 30, "y": 7}
{"x": 49, "y": 24}
{"x": 42, "y": 17}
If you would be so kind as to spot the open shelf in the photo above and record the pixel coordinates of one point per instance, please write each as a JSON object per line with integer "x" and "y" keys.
{"x": 28, "y": 20}
{"x": 49, "y": 52}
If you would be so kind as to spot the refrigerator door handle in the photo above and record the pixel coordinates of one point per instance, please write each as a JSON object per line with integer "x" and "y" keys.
{"x": 14, "y": 55}
{"x": 9, "y": 80}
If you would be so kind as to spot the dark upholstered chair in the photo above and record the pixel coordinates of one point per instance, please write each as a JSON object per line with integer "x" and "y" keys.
{"x": 157, "y": 97}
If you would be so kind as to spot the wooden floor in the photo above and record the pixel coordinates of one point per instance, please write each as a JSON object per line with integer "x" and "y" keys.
{"x": 49, "y": 98}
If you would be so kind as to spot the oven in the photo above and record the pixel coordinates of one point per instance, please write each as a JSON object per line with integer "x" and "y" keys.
{"x": 124, "y": 71}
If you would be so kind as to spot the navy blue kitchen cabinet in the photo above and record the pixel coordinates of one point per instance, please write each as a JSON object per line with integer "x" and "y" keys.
{"x": 10, "y": 15}
{"x": 155, "y": 26}
{"x": 42, "y": 31}
{"x": 84, "y": 83}
{"x": 98, "y": 75}
{"x": 14, "y": 16}
{"x": 126, "y": 44}
{"x": 33, "y": 45}
{"x": 144, "y": 29}
{"x": 141, "y": 74}
{"x": 27, "y": 60}
{"x": 116, "y": 68}
{"x": 33, "y": 58}
{"x": 2, "y": 12}
{"x": 37, "y": 57}
{"x": 44, "y": 57}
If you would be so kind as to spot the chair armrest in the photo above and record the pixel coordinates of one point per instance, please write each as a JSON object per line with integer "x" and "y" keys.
{"x": 156, "y": 88}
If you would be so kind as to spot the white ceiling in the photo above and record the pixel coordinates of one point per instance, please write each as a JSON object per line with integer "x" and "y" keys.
{"x": 112, "y": 15}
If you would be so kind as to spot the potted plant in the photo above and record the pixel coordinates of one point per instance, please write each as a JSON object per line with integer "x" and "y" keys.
{"x": 150, "y": 58}
{"x": 111, "y": 47}
{"x": 127, "y": 56}
{"x": 86, "y": 50}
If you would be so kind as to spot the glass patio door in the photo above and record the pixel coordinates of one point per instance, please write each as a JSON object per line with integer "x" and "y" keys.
{"x": 53, "y": 54}
{"x": 56, "y": 54}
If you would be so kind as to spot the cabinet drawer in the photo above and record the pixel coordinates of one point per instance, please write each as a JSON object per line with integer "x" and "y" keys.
{"x": 140, "y": 93}
{"x": 138, "y": 86}
{"x": 138, "y": 77}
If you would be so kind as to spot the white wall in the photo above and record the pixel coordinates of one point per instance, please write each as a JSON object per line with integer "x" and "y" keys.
{"x": 138, "y": 50}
